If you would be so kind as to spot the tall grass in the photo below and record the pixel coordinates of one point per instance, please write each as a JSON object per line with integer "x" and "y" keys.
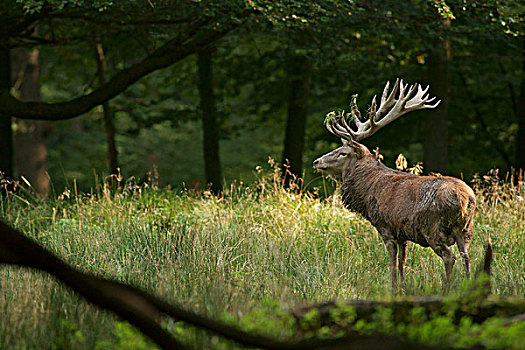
{"x": 226, "y": 256}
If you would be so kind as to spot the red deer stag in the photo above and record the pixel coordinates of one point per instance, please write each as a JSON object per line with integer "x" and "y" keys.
{"x": 427, "y": 210}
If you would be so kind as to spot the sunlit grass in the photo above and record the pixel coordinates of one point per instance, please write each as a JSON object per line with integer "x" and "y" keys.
{"x": 225, "y": 256}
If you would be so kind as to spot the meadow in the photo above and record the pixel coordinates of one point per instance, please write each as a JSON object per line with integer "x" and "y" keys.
{"x": 247, "y": 257}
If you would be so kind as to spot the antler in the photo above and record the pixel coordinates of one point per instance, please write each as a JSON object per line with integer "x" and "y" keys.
{"x": 410, "y": 98}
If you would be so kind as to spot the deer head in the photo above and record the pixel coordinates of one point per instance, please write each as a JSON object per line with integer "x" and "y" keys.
{"x": 341, "y": 158}
{"x": 402, "y": 99}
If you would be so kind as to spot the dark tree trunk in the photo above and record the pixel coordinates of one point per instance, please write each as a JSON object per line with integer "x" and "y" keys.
{"x": 109, "y": 126}
{"x": 299, "y": 71}
{"x": 6, "y": 132}
{"x": 30, "y": 137}
{"x": 520, "y": 137}
{"x": 212, "y": 162}
{"x": 435, "y": 144}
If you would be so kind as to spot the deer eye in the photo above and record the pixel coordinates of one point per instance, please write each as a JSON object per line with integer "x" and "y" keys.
{"x": 342, "y": 154}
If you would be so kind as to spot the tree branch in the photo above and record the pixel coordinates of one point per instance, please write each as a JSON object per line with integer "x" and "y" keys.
{"x": 112, "y": 21}
{"x": 171, "y": 52}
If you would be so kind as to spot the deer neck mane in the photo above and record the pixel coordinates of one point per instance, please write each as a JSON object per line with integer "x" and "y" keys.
{"x": 360, "y": 181}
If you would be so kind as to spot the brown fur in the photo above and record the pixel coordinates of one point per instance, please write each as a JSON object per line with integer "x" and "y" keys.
{"x": 427, "y": 210}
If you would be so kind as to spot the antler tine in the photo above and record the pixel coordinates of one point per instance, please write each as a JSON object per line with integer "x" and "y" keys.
{"x": 420, "y": 100}
{"x": 343, "y": 120}
{"x": 328, "y": 125}
{"x": 356, "y": 118}
{"x": 338, "y": 126}
{"x": 426, "y": 99}
{"x": 406, "y": 91}
{"x": 366, "y": 127}
{"x": 385, "y": 92}
{"x": 373, "y": 108}
{"x": 387, "y": 103}
{"x": 341, "y": 129}
{"x": 372, "y": 113}
{"x": 401, "y": 88}
{"x": 404, "y": 98}
{"x": 412, "y": 91}
{"x": 409, "y": 98}
{"x": 434, "y": 105}
{"x": 357, "y": 115}
{"x": 430, "y": 100}
{"x": 407, "y": 103}
{"x": 333, "y": 126}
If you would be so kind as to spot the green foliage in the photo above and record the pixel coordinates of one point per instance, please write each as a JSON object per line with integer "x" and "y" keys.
{"x": 441, "y": 327}
{"x": 381, "y": 319}
{"x": 248, "y": 258}
{"x": 269, "y": 318}
{"x": 443, "y": 9}
{"x": 342, "y": 315}
{"x": 351, "y": 50}
{"x": 126, "y": 337}
{"x": 36, "y": 6}
{"x": 68, "y": 336}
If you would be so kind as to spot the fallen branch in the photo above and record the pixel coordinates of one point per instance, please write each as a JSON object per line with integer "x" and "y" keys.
{"x": 401, "y": 309}
{"x": 475, "y": 304}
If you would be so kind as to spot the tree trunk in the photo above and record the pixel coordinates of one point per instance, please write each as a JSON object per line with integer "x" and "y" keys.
{"x": 435, "y": 144}
{"x": 6, "y": 132}
{"x": 520, "y": 137}
{"x": 212, "y": 162}
{"x": 30, "y": 136}
{"x": 109, "y": 126}
{"x": 299, "y": 71}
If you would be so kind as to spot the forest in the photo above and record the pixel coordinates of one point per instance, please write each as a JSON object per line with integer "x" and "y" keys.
{"x": 168, "y": 145}
{"x": 205, "y": 92}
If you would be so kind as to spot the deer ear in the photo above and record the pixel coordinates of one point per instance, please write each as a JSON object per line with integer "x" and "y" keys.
{"x": 358, "y": 148}
{"x": 346, "y": 143}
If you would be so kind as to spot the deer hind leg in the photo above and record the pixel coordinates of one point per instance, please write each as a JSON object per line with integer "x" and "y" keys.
{"x": 463, "y": 240}
{"x": 449, "y": 259}
{"x": 391, "y": 246}
{"x": 402, "y": 259}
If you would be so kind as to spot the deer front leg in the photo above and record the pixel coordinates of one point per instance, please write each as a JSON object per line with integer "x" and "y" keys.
{"x": 391, "y": 246}
{"x": 403, "y": 250}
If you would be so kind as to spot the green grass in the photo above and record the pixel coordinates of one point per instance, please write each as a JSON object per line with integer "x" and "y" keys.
{"x": 257, "y": 249}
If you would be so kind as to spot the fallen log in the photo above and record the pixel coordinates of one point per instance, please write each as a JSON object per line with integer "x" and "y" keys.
{"x": 476, "y": 304}
{"x": 401, "y": 309}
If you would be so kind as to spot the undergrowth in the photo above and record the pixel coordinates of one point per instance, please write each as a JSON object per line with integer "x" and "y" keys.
{"x": 246, "y": 257}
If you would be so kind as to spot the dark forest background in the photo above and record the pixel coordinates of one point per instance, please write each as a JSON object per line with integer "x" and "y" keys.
{"x": 205, "y": 91}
